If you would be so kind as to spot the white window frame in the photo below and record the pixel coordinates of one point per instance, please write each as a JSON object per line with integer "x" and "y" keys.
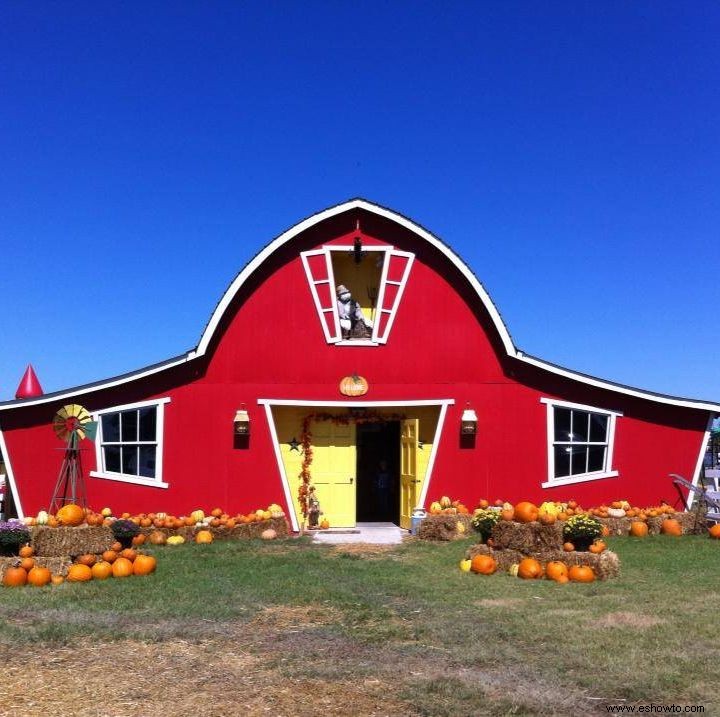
{"x": 335, "y": 337}
{"x": 607, "y": 471}
{"x": 157, "y": 481}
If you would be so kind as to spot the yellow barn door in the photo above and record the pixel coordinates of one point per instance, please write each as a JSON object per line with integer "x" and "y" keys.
{"x": 333, "y": 471}
{"x": 408, "y": 469}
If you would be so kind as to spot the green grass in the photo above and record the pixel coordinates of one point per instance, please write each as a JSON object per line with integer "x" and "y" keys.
{"x": 450, "y": 643}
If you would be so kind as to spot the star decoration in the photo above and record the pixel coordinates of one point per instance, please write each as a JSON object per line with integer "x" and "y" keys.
{"x": 294, "y": 445}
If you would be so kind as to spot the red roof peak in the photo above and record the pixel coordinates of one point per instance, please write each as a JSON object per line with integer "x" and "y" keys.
{"x": 29, "y": 385}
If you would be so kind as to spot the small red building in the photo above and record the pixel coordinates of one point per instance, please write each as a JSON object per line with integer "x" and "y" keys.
{"x": 359, "y": 350}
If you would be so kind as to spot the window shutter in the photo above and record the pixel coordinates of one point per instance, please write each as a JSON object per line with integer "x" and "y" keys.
{"x": 395, "y": 275}
{"x": 318, "y": 269}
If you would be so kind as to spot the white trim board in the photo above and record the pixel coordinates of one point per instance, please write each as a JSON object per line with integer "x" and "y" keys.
{"x": 699, "y": 463}
{"x": 10, "y": 476}
{"x": 269, "y": 403}
{"x": 422, "y": 233}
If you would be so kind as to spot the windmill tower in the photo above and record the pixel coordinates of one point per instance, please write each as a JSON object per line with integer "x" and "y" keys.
{"x": 71, "y": 424}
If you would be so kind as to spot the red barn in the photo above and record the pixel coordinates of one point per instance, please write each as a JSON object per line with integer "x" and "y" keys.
{"x": 358, "y": 350}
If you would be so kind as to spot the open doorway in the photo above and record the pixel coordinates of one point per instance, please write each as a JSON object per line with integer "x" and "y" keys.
{"x": 378, "y": 472}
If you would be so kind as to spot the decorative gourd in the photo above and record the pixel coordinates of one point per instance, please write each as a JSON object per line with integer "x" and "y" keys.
{"x": 460, "y": 527}
{"x": 507, "y": 513}
{"x": 175, "y": 540}
{"x": 139, "y": 539}
{"x": 670, "y": 526}
{"x": 526, "y": 512}
{"x": 42, "y": 518}
{"x": 465, "y": 565}
{"x": 616, "y": 512}
{"x": 39, "y": 576}
{"x": 268, "y": 534}
{"x": 129, "y": 553}
{"x": 530, "y": 569}
{"x": 513, "y": 569}
{"x": 555, "y": 570}
{"x": 14, "y": 577}
{"x": 638, "y": 529}
{"x": 203, "y": 536}
{"x": 568, "y": 547}
{"x": 70, "y": 514}
{"x": 106, "y": 512}
{"x": 101, "y": 570}
{"x": 547, "y": 518}
{"x": 581, "y": 574}
{"x": 122, "y": 568}
{"x": 57, "y": 580}
{"x": 78, "y": 573}
{"x": 324, "y": 524}
{"x": 197, "y": 516}
{"x": 353, "y": 386}
{"x": 157, "y": 537}
{"x": 445, "y": 502}
{"x": 483, "y": 564}
{"x": 144, "y": 565}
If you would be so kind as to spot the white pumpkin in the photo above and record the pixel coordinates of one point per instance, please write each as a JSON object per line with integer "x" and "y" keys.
{"x": 616, "y": 512}
{"x": 268, "y": 534}
{"x": 42, "y": 518}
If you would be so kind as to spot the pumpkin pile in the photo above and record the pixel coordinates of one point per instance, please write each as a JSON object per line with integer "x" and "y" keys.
{"x": 447, "y": 506}
{"x": 116, "y": 562}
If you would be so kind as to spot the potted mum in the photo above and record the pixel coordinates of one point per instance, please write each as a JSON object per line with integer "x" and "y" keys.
{"x": 484, "y": 520}
{"x": 124, "y": 531}
{"x": 13, "y": 535}
{"x": 582, "y": 531}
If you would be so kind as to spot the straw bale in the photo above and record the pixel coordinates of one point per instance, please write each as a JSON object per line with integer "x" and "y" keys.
{"x": 508, "y": 534}
{"x": 442, "y": 527}
{"x": 548, "y": 537}
{"x": 606, "y": 564}
{"x": 242, "y": 531}
{"x": 58, "y": 565}
{"x": 65, "y": 541}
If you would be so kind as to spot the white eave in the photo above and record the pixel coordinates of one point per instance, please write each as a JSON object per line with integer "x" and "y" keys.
{"x": 443, "y": 248}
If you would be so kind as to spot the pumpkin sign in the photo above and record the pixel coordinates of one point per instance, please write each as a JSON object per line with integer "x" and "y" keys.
{"x": 353, "y": 386}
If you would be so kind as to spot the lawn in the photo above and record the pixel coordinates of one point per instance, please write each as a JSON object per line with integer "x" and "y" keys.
{"x": 293, "y": 628}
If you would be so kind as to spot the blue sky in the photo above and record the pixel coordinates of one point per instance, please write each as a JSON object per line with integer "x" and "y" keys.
{"x": 569, "y": 152}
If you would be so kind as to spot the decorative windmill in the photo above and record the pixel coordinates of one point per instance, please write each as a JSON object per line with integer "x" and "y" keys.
{"x": 71, "y": 424}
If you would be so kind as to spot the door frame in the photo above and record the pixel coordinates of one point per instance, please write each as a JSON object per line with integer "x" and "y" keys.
{"x": 289, "y": 483}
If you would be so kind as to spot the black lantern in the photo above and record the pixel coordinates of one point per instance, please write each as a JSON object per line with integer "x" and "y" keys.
{"x": 241, "y": 423}
{"x": 468, "y": 422}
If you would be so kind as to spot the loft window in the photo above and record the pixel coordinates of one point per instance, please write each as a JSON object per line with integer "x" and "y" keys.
{"x": 375, "y": 282}
{"x": 580, "y": 442}
{"x": 129, "y": 443}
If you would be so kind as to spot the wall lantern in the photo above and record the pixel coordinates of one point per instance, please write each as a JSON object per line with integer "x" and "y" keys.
{"x": 241, "y": 423}
{"x": 468, "y": 422}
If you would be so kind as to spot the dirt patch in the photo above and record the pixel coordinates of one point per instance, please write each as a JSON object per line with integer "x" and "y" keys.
{"x": 286, "y": 617}
{"x": 627, "y": 619}
{"x": 499, "y": 602}
{"x": 214, "y": 678}
{"x": 364, "y": 549}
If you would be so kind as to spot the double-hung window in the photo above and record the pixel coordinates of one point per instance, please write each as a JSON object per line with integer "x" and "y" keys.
{"x": 580, "y": 442}
{"x": 129, "y": 443}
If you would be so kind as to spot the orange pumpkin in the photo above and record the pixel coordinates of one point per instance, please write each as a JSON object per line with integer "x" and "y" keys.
{"x": 597, "y": 547}
{"x": 483, "y": 564}
{"x": 27, "y": 551}
{"x": 101, "y": 570}
{"x": 138, "y": 539}
{"x": 507, "y": 514}
{"x": 670, "y": 526}
{"x": 14, "y": 577}
{"x": 568, "y": 547}
{"x": 526, "y": 512}
{"x": 116, "y": 546}
{"x": 547, "y": 518}
{"x": 714, "y": 531}
{"x": 57, "y": 580}
{"x": 324, "y": 524}
{"x": 122, "y": 568}
{"x": 555, "y": 569}
{"x": 87, "y": 559}
{"x": 70, "y": 514}
{"x": 109, "y": 556}
{"x": 638, "y": 529}
{"x": 353, "y": 386}
{"x": 530, "y": 569}
{"x": 129, "y": 553}
{"x": 581, "y": 574}
{"x": 39, "y": 576}
{"x": 203, "y": 536}
{"x": 144, "y": 565}
{"x": 27, "y": 564}
{"x": 79, "y": 573}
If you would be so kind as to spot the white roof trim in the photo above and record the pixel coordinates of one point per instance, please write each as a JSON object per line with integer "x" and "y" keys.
{"x": 290, "y": 234}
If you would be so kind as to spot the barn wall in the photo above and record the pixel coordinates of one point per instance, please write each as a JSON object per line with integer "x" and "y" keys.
{"x": 270, "y": 345}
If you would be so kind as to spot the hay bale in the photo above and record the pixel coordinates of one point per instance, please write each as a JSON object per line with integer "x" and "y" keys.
{"x": 57, "y": 566}
{"x": 606, "y": 564}
{"x": 548, "y": 537}
{"x": 509, "y": 535}
{"x": 64, "y": 541}
{"x": 439, "y": 527}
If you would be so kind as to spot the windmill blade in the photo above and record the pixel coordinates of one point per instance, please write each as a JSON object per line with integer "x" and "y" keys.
{"x": 88, "y": 430}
